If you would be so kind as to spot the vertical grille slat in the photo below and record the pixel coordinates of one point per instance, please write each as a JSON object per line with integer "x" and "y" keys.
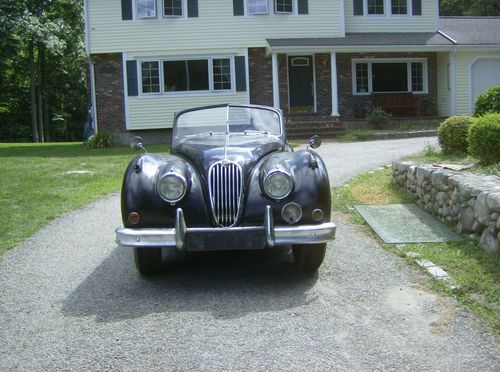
{"x": 225, "y": 181}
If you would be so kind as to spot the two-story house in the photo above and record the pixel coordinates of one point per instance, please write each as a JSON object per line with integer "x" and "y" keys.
{"x": 324, "y": 60}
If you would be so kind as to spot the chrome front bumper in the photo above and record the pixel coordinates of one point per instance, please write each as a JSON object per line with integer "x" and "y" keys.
{"x": 272, "y": 236}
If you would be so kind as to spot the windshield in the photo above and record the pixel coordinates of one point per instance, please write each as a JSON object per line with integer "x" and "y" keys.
{"x": 235, "y": 119}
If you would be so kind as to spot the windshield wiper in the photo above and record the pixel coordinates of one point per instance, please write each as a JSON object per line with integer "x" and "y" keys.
{"x": 251, "y": 131}
{"x": 210, "y": 133}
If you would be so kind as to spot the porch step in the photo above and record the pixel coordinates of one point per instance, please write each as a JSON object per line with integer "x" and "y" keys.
{"x": 304, "y": 127}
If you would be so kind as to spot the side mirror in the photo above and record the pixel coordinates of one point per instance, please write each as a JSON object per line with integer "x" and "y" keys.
{"x": 315, "y": 141}
{"x": 137, "y": 143}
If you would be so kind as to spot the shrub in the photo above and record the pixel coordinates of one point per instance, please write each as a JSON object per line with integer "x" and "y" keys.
{"x": 378, "y": 117}
{"x": 488, "y": 102}
{"x": 452, "y": 134}
{"x": 484, "y": 139}
{"x": 100, "y": 140}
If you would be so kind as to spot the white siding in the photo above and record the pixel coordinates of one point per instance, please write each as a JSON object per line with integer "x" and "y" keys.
{"x": 158, "y": 112}
{"x": 464, "y": 60}
{"x": 444, "y": 103}
{"x": 216, "y": 27}
{"x": 427, "y": 22}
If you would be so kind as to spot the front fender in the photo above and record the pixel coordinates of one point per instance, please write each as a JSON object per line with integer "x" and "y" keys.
{"x": 139, "y": 193}
{"x": 311, "y": 188}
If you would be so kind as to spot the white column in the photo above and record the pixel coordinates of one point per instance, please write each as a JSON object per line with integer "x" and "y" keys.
{"x": 453, "y": 86}
{"x": 276, "y": 83}
{"x": 335, "y": 93}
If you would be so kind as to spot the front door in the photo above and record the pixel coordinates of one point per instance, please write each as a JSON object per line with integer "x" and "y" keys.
{"x": 301, "y": 83}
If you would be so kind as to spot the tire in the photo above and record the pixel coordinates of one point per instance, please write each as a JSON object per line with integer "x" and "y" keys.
{"x": 148, "y": 260}
{"x": 309, "y": 257}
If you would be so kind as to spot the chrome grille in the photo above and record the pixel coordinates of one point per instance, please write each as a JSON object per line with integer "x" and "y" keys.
{"x": 225, "y": 182}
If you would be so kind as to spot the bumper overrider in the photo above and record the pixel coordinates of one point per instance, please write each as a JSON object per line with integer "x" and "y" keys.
{"x": 183, "y": 238}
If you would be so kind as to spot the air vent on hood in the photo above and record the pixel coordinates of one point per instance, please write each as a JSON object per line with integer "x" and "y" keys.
{"x": 225, "y": 180}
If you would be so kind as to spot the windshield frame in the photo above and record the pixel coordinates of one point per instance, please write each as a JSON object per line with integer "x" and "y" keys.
{"x": 278, "y": 112}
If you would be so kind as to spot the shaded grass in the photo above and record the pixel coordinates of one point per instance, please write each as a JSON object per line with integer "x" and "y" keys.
{"x": 476, "y": 272}
{"x": 355, "y": 135}
{"x": 36, "y": 188}
{"x": 431, "y": 155}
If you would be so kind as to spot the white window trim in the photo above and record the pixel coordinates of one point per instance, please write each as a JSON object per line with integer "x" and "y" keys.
{"x": 408, "y": 62}
{"x": 409, "y": 10}
{"x": 211, "y": 89}
{"x": 160, "y": 74}
{"x": 159, "y": 9}
{"x": 293, "y": 12}
{"x": 271, "y": 9}
{"x": 388, "y": 10}
{"x": 163, "y": 15}
{"x": 136, "y": 10}
{"x": 247, "y": 8}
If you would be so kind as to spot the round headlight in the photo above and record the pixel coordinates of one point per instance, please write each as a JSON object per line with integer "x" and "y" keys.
{"x": 278, "y": 185}
{"x": 172, "y": 187}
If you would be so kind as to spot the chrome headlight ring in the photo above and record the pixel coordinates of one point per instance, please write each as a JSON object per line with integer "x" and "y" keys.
{"x": 278, "y": 184}
{"x": 172, "y": 187}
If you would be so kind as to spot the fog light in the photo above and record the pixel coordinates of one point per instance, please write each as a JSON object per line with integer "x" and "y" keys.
{"x": 317, "y": 215}
{"x": 134, "y": 218}
{"x": 291, "y": 213}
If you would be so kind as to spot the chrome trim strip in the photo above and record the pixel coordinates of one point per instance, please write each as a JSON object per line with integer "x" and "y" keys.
{"x": 174, "y": 237}
{"x": 225, "y": 187}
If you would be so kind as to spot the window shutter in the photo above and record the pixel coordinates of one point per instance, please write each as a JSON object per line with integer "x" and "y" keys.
{"x": 358, "y": 7}
{"x": 241, "y": 74}
{"x": 132, "y": 88}
{"x": 192, "y": 6}
{"x": 303, "y": 6}
{"x": 238, "y": 7}
{"x": 127, "y": 9}
{"x": 417, "y": 7}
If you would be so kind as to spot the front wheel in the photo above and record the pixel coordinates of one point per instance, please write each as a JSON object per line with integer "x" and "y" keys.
{"x": 148, "y": 260}
{"x": 309, "y": 257}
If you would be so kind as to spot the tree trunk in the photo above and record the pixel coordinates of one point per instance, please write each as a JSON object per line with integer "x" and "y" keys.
{"x": 34, "y": 124}
{"x": 41, "y": 93}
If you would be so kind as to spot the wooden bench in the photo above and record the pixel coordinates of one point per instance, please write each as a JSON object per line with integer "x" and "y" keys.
{"x": 398, "y": 103}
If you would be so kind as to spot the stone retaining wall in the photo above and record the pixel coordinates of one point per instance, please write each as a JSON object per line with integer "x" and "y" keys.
{"x": 469, "y": 201}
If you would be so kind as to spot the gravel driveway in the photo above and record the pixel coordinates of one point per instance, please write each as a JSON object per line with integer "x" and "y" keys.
{"x": 70, "y": 299}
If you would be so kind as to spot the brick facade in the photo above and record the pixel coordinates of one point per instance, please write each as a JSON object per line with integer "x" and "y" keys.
{"x": 323, "y": 84}
{"x": 351, "y": 106}
{"x": 110, "y": 100}
{"x": 261, "y": 77}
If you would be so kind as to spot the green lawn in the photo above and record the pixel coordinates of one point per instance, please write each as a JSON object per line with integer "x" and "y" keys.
{"x": 36, "y": 186}
{"x": 476, "y": 272}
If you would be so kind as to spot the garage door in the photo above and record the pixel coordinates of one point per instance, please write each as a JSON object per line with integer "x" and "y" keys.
{"x": 485, "y": 73}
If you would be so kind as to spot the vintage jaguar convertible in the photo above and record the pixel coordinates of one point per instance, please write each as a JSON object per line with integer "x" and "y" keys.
{"x": 231, "y": 182}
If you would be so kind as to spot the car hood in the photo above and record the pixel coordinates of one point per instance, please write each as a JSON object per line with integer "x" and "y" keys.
{"x": 246, "y": 150}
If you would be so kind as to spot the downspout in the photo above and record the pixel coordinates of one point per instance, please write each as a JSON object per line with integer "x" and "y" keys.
{"x": 453, "y": 85}
{"x": 91, "y": 64}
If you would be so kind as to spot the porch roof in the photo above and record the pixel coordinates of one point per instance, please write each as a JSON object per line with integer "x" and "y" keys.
{"x": 475, "y": 31}
{"x": 367, "y": 41}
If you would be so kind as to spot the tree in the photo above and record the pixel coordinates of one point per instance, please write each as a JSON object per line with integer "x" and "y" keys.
{"x": 469, "y": 8}
{"x": 45, "y": 39}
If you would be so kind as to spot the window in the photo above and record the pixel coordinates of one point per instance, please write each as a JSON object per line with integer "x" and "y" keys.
{"x": 146, "y": 8}
{"x": 375, "y": 7}
{"x": 150, "y": 73}
{"x": 222, "y": 73}
{"x": 257, "y": 6}
{"x": 391, "y": 75}
{"x": 417, "y": 77}
{"x": 361, "y": 77}
{"x": 283, "y": 6}
{"x": 172, "y": 8}
{"x": 185, "y": 76}
{"x": 399, "y": 7}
